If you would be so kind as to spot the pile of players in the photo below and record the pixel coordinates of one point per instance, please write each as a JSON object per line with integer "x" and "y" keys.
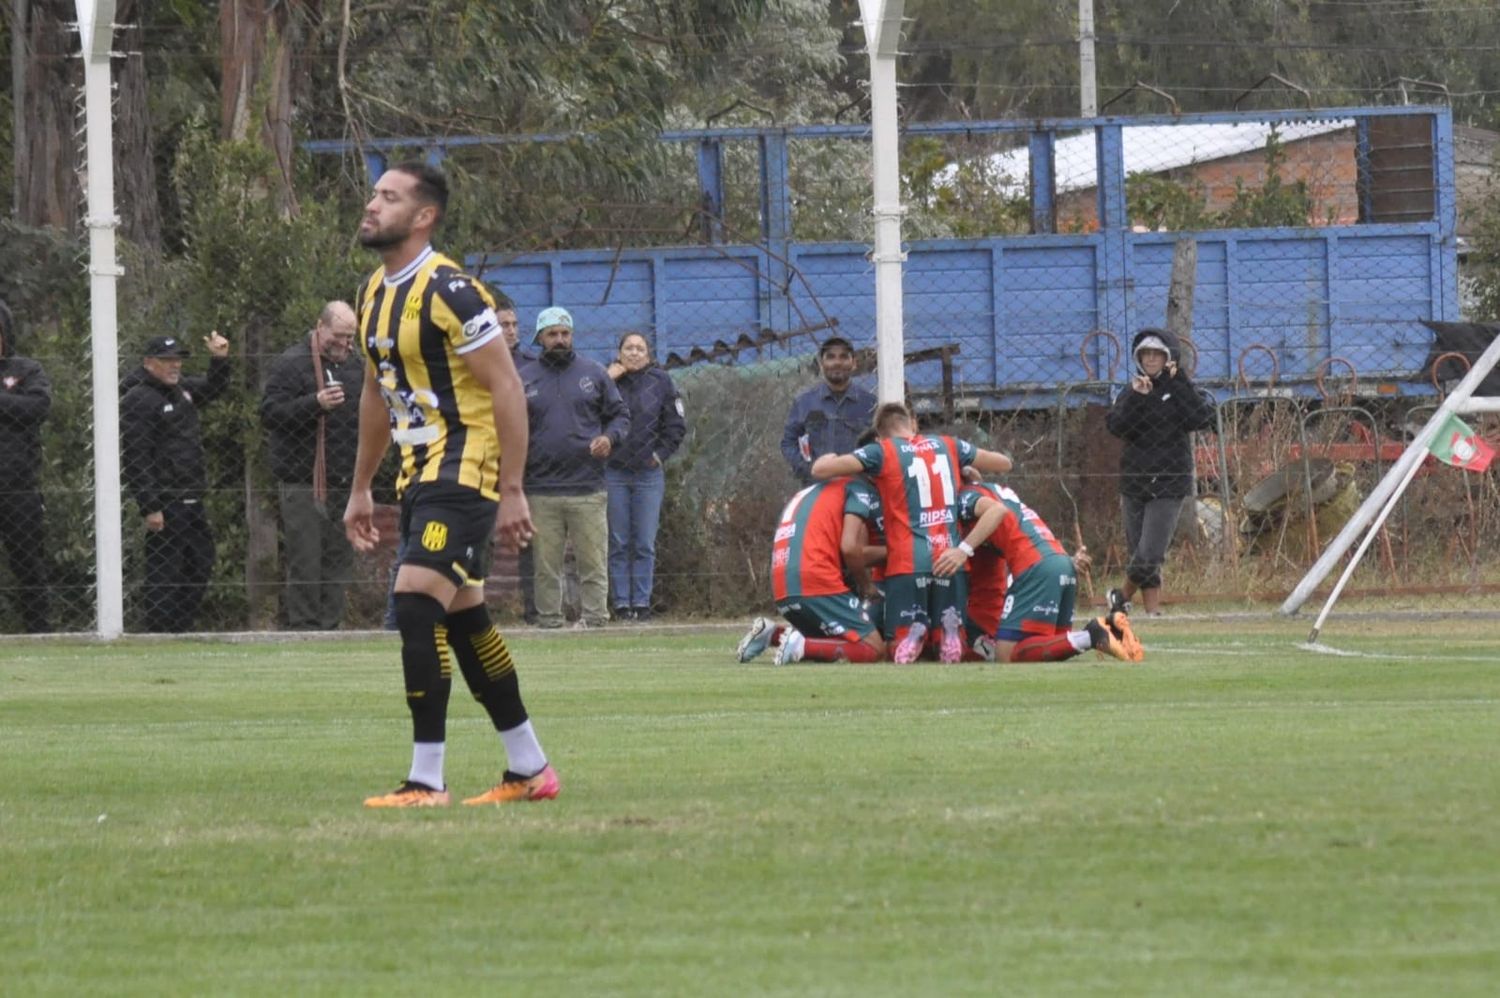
{"x": 901, "y": 550}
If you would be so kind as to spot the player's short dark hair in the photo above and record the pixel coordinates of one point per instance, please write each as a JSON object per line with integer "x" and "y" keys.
{"x": 432, "y": 183}
{"x": 891, "y": 413}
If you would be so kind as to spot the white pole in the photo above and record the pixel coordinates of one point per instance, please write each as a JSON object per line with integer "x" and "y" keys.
{"x": 96, "y": 30}
{"x": 882, "y": 24}
{"x": 1363, "y": 546}
{"x": 1394, "y": 479}
{"x": 1088, "y": 88}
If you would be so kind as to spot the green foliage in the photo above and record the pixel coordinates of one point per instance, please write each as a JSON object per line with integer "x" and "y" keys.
{"x": 1274, "y": 203}
{"x": 1483, "y": 262}
{"x": 1160, "y": 203}
{"x": 964, "y": 197}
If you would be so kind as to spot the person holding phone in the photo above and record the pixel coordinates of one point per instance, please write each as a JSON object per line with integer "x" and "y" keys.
{"x": 310, "y": 411}
{"x": 1156, "y": 415}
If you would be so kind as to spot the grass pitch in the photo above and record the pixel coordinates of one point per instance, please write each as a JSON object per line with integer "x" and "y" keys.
{"x": 1235, "y": 815}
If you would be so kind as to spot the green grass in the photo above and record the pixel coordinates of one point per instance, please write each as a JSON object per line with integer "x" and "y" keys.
{"x": 1235, "y": 815}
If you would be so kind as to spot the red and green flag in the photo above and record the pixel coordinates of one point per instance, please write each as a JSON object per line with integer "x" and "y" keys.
{"x": 1460, "y": 446}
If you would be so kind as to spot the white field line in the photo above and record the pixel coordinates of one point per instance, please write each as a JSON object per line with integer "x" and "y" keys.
{"x": 1318, "y": 648}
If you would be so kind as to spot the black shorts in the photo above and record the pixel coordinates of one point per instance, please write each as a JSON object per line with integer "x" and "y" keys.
{"x": 449, "y": 529}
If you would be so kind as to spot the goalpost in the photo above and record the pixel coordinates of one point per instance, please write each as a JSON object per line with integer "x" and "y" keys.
{"x": 1377, "y": 506}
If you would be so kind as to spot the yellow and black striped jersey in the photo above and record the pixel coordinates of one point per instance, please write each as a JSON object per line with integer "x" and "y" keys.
{"x": 416, "y": 325}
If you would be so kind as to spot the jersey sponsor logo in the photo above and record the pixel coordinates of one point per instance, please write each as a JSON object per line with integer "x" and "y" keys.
{"x": 435, "y": 536}
{"x": 1050, "y": 609}
{"x": 484, "y": 322}
{"x": 381, "y": 343}
{"x": 169, "y": 407}
{"x": 779, "y": 557}
{"x": 933, "y": 517}
{"x": 413, "y": 307}
{"x": 786, "y": 531}
{"x": 457, "y": 284}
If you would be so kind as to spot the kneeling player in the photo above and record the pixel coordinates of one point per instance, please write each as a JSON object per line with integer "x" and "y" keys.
{"x": 822, "y": 529}
{"x": 1036, "y": 620}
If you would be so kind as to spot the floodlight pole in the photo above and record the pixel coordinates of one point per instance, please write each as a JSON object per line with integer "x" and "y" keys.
{"x": 1088, "y": 88}
{"x": 882, "y": 24}
{"x": 96, "y": 32}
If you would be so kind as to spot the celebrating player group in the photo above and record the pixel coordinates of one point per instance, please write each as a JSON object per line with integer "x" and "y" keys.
{"x": 901, "y": 550}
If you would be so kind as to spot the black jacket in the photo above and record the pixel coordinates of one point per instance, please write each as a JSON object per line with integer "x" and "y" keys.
{"x": 25, "y": 400}
{"x": 1157, "y": 429}
{"x": 161, "y": 445}
{"x": 657, "y": 425}
{"x": 290, "y": 413}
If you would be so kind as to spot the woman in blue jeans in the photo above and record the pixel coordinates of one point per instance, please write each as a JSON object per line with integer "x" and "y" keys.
{"x": 634, "y": 474}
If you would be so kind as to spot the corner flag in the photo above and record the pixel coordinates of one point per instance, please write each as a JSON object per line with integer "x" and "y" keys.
{"x": 1458, "y": 445}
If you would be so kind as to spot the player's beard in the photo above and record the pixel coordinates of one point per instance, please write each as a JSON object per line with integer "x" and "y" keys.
{"x": 558, "y": 356}
{"x": 392, "y": 235}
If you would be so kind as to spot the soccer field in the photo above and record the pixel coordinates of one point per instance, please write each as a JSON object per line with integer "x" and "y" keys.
{"x": 1234, "y": 815}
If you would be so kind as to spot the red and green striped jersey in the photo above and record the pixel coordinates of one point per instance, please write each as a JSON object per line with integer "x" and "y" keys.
{"x": 805, "y": 558}
{"x": 1022, "y": 538}
{"x": 918, "y": 483}
{"x": 874, "y": 520}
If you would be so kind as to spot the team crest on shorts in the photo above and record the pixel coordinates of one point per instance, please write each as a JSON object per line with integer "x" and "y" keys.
{"x": 435, "y": 536}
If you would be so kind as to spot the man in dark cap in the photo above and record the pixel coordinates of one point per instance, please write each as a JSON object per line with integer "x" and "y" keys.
{"x": 827, "y": 418}
{"x": 161, "y": 457}
{"x": 25, "y": 400}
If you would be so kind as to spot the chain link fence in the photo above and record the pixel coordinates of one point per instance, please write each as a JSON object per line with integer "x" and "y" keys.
{"x": 1036, "y": 255}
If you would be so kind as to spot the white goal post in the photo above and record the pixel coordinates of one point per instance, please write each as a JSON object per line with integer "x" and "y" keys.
{"x": 1377, "y": 506}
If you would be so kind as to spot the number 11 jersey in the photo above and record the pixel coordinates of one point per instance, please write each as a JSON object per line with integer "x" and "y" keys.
{"x": 918, "y": 480}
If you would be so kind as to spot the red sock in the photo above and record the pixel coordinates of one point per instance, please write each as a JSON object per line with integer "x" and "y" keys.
{"x": 777, "y": 633}
{"x": 833, "y": 650}
{"x": 1043, "y": 648}
{"x": 858, "y": 651}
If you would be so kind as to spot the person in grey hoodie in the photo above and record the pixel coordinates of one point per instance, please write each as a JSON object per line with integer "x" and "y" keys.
{"x": 577, "y": 419}
{"x": 25, "y": 400}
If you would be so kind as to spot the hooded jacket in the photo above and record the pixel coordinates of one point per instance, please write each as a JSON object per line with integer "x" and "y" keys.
{"x": 1157, "y": 427}
{"x": 657, "y": 423}
{"x": 161, "y": 445}
{"x": 25, "y": 401}
{"x": 568, "y": 404}
{"x": 290, "y": 412}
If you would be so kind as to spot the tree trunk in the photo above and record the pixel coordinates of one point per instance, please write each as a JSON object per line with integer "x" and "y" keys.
{"x": 258, "y": 57}
{"x": 257, "y": 54}
{"x": 136, "y": 199}
{"x": 47, "y": 190}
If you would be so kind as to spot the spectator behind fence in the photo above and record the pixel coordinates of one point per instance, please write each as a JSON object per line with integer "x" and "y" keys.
{"x": 25, "y": 400}
{"x": 310, "y": 411}
{"x": 827, "y": 418}
{"x": 577, "y": 419}
{"x": 162, "y": 462}
{"x": 1155, "y": 415}
{"x": 634, "y": 474}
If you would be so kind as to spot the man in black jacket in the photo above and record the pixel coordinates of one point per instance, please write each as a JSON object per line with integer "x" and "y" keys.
{"x": 162, "y": 463}
{"x": 1156, "y": 416}
{"x": 310, "y": 410}
{"x": 25, "y": 400}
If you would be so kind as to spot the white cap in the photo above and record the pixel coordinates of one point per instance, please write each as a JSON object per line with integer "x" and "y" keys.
{"x": 1152, "y": 343}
